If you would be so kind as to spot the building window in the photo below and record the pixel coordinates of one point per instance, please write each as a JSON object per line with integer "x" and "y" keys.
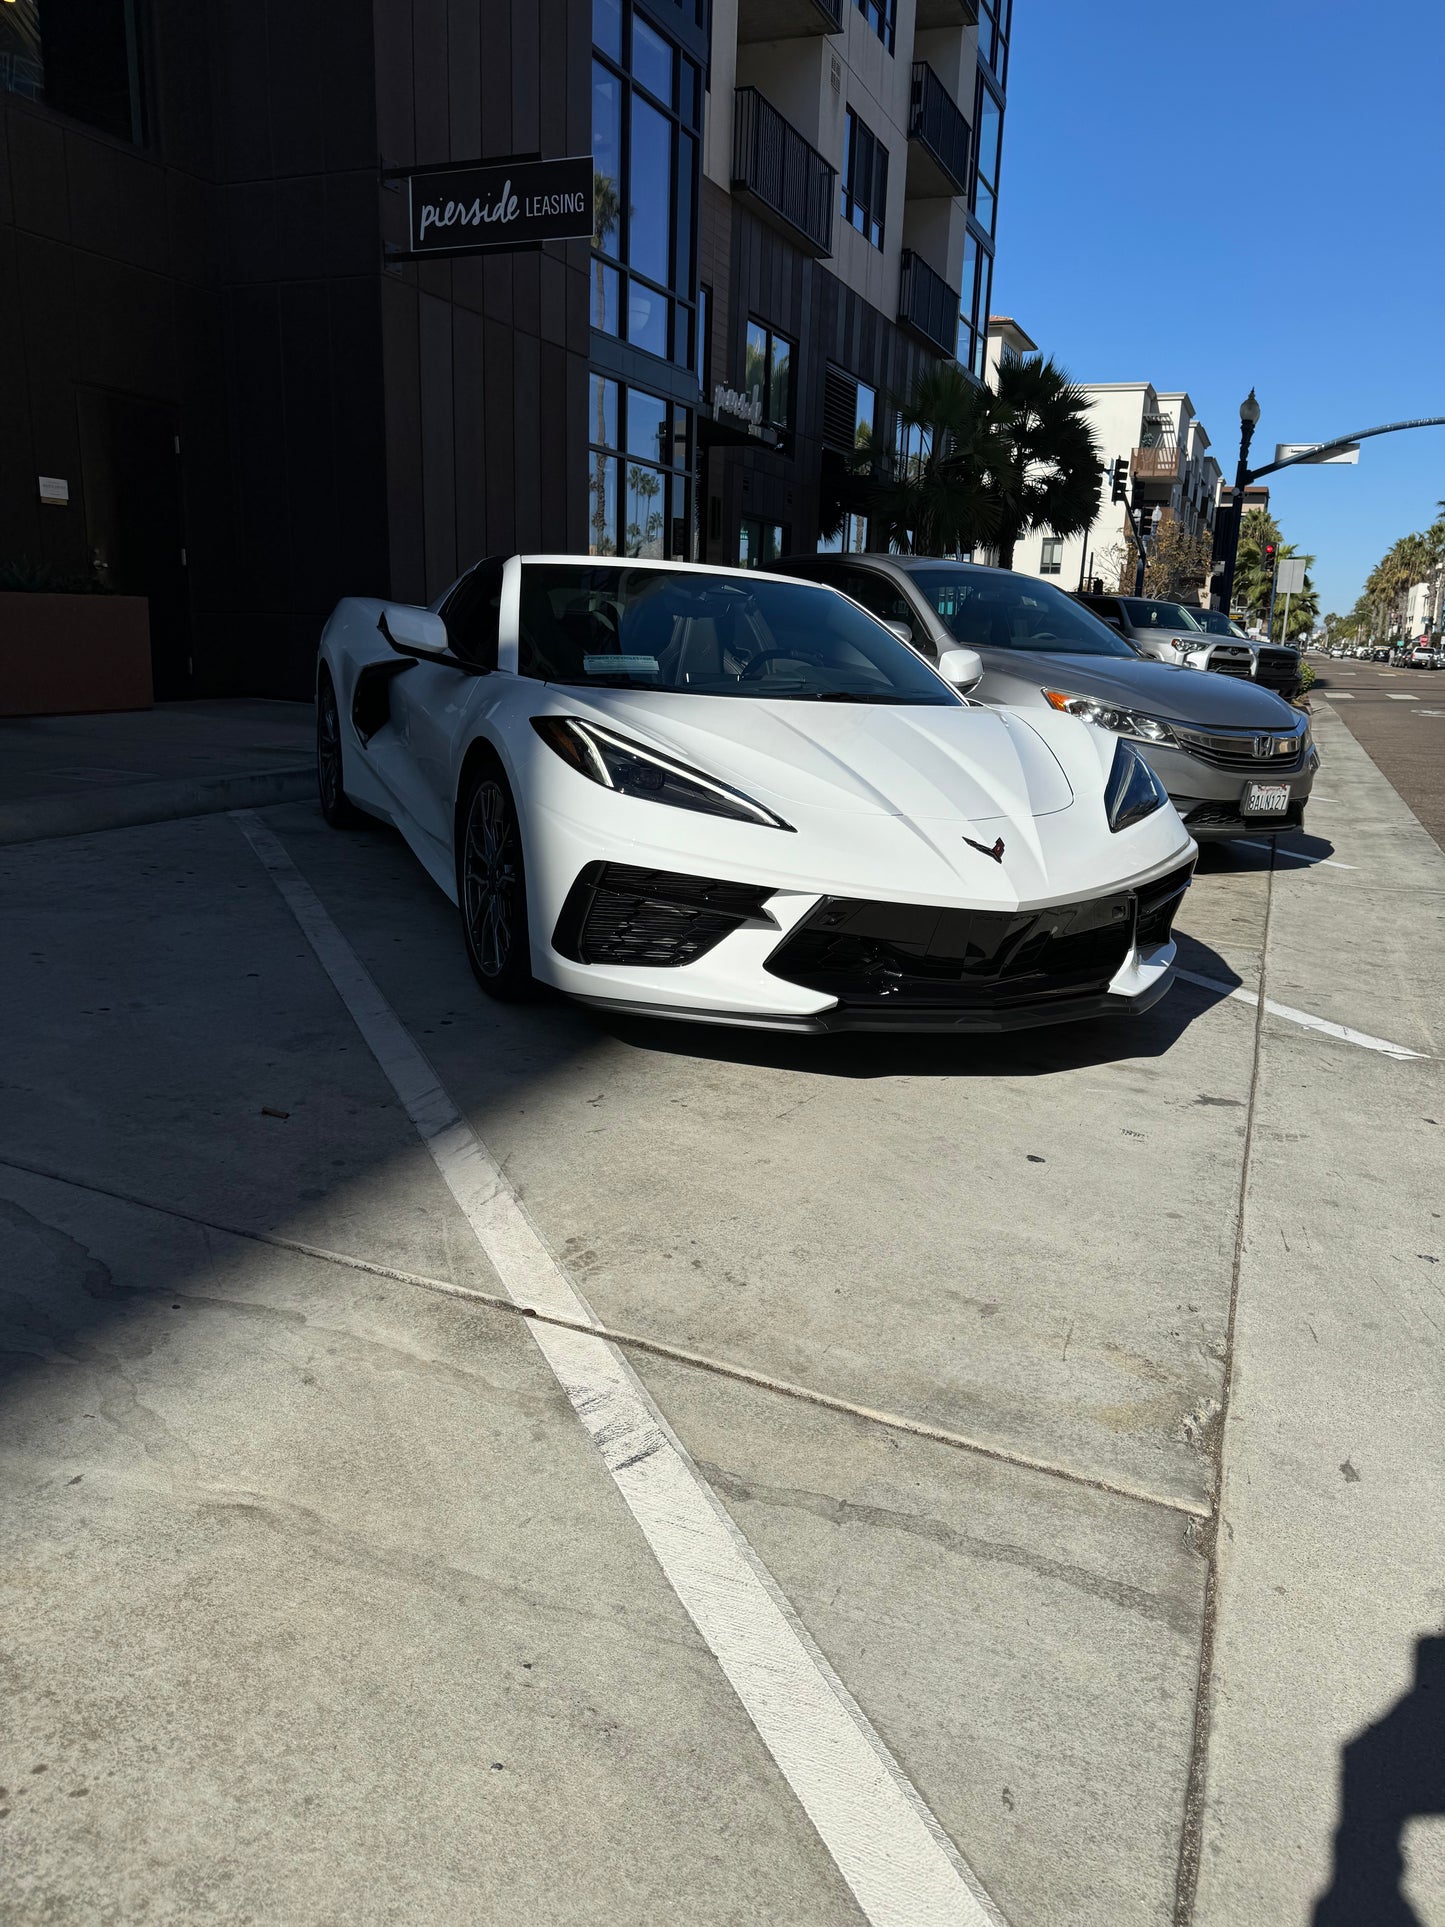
{"x": 851, "y": 538}
{"x": 865, "y": 179}
{"x": 639, "y": 487}
{"x": 704, "y": 341}
{"x": 993, "y": 29}
{"x": 880, "y": 17}
{"x": 645, "y": 104}
{"x": 760, "y": 543}
{"x": 81, "y": 57}
{"x": 912, "y": 447}
{"x": 988, "y": 118}
{"x": 1051, "y": 556}
{"x": 769, "y": 377}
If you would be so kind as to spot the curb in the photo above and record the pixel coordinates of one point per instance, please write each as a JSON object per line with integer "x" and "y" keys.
{"x": 163, "y": 802}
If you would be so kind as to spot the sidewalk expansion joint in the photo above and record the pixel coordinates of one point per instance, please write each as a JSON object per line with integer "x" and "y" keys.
{"x": 637, "y": 1341}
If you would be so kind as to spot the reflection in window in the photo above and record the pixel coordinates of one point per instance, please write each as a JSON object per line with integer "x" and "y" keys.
{"x": 607, "y": 26}
{"x": 851, "y": 537}
{"x": 651, "y": 191}
{"x": 768, "y": 372}
{"x": 606, "y": 161}
{"x": 639, "y": 506}
{"x": 605, "y": 283}
{"x": 879, "y": 15}
{"x": 81, "y": 57}
{"x": 993, "y": 26}
{"x": 602, "y": 505}
{"x": 863, "y": 418}
{"x": 865, "y": 179}
{"x": 759, "y": 543}
{"x": 646, "y": 318}
{"x": 652, "y": 61}
{"x": 646, "y": 512}
{"x": 989, "y": 116}
{"x": 646, "y": 425}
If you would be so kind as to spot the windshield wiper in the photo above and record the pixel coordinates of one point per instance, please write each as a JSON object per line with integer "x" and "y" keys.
{"x": 857, "y": 696}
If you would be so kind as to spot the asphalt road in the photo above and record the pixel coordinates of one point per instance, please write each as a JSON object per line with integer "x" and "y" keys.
{"x": 1014, "y": 1484}
{"x": 1398, "y": 717}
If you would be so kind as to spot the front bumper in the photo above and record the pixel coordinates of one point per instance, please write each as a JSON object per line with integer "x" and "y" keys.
{"x": 1210, "y": 798}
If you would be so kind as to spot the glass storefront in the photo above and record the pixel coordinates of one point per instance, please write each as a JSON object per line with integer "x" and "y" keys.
{"x": 639, "y": 483}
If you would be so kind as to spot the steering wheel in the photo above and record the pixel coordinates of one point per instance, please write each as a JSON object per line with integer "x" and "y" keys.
{"x": 779, "y": 655}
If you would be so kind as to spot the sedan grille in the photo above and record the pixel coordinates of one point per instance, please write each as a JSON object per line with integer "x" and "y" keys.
{"x": 1277, "y": 750}
{"x": 616, "y": 914}
{"x": 913, "y": 955}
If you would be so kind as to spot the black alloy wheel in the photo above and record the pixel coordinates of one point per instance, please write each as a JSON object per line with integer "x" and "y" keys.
{"x": 492, "y": 888}
{"x": 338, "y": 809}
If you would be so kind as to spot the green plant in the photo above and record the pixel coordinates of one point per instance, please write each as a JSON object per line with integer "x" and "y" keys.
{"x": 43, "y": 578}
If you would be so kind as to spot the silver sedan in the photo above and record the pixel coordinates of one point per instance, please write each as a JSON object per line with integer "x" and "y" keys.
{"x": 1236, "y": 759}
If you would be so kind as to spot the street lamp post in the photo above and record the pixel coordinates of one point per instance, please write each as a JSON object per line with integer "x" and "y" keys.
{"x": 1248, "y": 421}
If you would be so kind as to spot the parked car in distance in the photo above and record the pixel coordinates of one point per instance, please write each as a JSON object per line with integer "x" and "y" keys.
{"x": 1423, "y": 657}
{"x": 1380, "y": 655}
{"x": 1173, "y": 633}
{"x": 1235, "y": 758}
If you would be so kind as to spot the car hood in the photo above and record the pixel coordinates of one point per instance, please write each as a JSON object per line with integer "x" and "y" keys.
{"x": 1168, "y": 689}
{"x": 875, "y": 759}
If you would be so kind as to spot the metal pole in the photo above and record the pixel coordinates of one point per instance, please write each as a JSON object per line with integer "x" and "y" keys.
{"x": 1236, "y": 519}
{"x": 1269, "y": 619}
{"x": 1284, "y": 630}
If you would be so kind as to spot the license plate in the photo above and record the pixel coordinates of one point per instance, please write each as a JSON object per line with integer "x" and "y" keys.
{"x": 1266, "y": 799}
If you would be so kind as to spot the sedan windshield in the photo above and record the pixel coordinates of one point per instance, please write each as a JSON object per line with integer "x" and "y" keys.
{"x": 711, "y": 635}
{"x": 1158, "y": 615}
{"x": 992, "y": 609}
{"x": 1215, "y": 622}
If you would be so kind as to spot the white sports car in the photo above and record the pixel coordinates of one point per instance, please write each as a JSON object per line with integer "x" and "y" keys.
{"x": 736, "y": 797}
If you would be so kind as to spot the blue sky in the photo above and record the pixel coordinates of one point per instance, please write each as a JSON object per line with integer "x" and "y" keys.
{"x": 1244, "y": 195}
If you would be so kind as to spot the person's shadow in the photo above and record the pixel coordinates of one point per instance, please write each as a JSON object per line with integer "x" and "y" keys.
{"x": 1393, "y": 1772}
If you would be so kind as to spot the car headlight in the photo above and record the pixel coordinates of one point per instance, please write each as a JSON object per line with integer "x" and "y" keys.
{"x": 1133, "y": 790}
{"x": 1123, "y": 722}
{"x": 617, "y": 763}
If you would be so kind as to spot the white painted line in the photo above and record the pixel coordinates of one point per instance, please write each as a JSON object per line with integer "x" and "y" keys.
{"x": 1339, "y": 695}
{"x": 902, "y": 1868}
{"x": 1329, "y": 862}
{"x": 1396, "y": 697}
{"x": 1304, "y": 1018}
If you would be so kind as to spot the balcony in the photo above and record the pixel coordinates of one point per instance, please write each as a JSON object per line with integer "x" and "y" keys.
{"x": 775, "y": 169}
{"x": 927, "y": 304}
{"x": 787, "y": 19}
{"x": 946, "y": 13}
{"x": 1159, "y": 464}
{"x": 938, "y": 138}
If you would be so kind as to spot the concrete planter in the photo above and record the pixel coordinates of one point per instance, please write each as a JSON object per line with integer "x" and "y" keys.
{"x": 73, "y": 655}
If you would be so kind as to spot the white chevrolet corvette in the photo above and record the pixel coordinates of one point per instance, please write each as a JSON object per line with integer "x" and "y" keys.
{"x": 739, "y": 798}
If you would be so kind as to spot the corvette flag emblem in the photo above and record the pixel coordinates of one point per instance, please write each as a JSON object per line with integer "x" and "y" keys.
{"x": 996, "y": 852}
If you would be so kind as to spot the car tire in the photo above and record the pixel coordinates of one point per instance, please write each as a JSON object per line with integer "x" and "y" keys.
{"x": 336, "y": 806}
{"x": 492, "y": 886}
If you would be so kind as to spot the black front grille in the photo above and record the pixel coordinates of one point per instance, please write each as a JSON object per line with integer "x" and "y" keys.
{"x": 1232, "y": 665}
{"x": 1228, "y": 818}
{"x": 908, "y": 954}
{"x": 615, "y": 914}
{"x": 1277, "y": 668}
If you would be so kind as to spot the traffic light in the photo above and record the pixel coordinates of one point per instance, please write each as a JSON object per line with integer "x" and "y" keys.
{"x": 1119, "y": 481}
{"x": 1271, "y": 556}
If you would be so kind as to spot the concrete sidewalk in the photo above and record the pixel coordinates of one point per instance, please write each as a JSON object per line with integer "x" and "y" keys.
{"x": 68, "y": 775}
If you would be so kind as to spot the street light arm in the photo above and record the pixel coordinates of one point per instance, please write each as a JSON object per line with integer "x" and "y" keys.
{"x": 1342, "y": 441}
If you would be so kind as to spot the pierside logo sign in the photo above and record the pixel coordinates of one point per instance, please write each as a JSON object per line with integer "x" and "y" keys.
{"x": 487, "y": 205}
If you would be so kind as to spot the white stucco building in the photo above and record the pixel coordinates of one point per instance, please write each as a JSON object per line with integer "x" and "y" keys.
{"x": 1170, "y": 467}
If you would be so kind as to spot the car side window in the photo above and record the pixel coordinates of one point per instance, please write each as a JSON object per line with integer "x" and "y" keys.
{"x": 884, "y": 599}
{"x": 472, "y": 613}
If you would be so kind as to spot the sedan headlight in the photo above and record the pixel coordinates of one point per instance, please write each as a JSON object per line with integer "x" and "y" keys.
{"x": 604, "y": 756}
{"x": 1123, "y": 722}
{"x": 1133, "y": 790}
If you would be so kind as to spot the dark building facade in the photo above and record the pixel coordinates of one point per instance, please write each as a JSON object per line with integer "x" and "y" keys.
{"x": 253, "y": 408}
{"x": 230, "y": 388}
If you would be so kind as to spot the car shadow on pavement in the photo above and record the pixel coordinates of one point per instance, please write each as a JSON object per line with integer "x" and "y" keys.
{"x": 1041, "y": 1051}
{"x": 1239, "y": 855}
{"x": 1392, "y": 1772}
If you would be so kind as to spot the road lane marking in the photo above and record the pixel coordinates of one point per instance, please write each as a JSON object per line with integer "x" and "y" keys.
{"x": 900, "y": 1865}
{"x": 1298, "y": 856}
{"x": 1340, "y": 695}
{"x": 1304, "y": 1018}
{"x": 1396, "y": 697}
{"x": 630, "y": 1341}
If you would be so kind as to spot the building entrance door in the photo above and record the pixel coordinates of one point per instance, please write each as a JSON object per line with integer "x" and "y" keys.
{"x": 131, "y": 473}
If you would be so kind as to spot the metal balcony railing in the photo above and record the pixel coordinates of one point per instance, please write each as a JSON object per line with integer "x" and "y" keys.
{"x": 927, "y": 304}
{"x": 787, "y": 19}
{"x": 785, "y": 177}
{"x": 1161, "y": 462}
{"x": 935, "y": 122}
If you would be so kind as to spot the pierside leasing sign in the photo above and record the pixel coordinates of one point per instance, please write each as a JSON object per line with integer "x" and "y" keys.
{"x": 500, "y": 204}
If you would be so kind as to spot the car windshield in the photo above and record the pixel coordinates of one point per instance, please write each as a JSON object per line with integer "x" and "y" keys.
{"x": 711, "y": 635}
{"x": 1215, "y": 622}
{"x": 1158, "y": 615}
{"x": 992, "y": 609}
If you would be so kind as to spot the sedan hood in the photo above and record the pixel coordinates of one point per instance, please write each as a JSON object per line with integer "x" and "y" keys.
{"x": 1172, "y": 690}
{"x": 922, "y": 762}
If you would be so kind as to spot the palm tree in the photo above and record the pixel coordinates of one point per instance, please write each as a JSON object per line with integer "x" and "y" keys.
{"x": 986, "y": 465}
{"x": 606, "y": 211}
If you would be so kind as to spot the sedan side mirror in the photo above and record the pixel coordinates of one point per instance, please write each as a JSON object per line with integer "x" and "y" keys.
{"x": 415, "y": 632}
{"x": 961, "y": 667}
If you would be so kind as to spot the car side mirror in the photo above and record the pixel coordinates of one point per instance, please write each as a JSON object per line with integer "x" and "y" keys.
{"x": 960, "y": 667}
{"x": 415, "y": 632}
{"x": 902, "y": 630}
